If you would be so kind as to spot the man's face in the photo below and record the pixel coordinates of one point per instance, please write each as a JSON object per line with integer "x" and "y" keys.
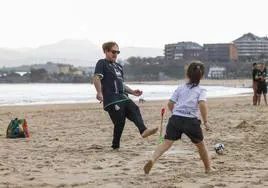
{"x": 111, "y": 55}
{"x": 259, "y": 66}
{"x": 262, "y": 67}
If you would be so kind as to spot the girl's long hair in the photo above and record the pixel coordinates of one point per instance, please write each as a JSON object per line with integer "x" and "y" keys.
{"x": 195, "y": 72}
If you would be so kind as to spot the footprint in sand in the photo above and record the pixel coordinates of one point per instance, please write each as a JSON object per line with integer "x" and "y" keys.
{"x": 221, "y": 185}
{"x": 97, "y": 168}
{"x": 102, "y": 160}
{"x": 95, "y": 146}
{"x": 109, "y": 185}
{"x": 31, "y": 178}
{"x": 115, "y": 165}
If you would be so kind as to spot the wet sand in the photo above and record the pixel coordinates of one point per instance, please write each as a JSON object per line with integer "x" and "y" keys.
{"x": 207, "y": 82}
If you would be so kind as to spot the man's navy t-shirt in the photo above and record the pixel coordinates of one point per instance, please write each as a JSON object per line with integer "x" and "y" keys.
{"x": 112, "y": 78}
{"x": 261, "y": 74}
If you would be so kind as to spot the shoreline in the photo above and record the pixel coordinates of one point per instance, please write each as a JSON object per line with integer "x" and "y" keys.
{"x": 206, "y": 82}
{"x": 58, "y": 106}
{"x": 246, "y": 94}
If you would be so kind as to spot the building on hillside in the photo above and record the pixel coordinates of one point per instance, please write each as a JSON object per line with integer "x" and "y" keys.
{"x": 88, "y": 71}
{"x": 21, "y": 73}
{"x": 220, "y": 52}
{"x": 183, "y": 50}
{"x": 77, "y": 72}
{"x": 50, "y": 67}
{"x": 216, "y": 72}
{"x": 13, "y": 78}
{"x": 65, "y": 68}
{"x": 251, "y": 47}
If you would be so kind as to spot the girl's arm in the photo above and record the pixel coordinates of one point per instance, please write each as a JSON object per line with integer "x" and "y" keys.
{"x": 204, "y": 113}
{"x": 170, "y": 105}
{"x": 174, "y": 98}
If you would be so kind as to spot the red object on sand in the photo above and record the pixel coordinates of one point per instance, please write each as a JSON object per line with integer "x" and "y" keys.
{"x": 163, "y": 111}
{"x": 25, "y": 128}
{"x": 161, "y": 138}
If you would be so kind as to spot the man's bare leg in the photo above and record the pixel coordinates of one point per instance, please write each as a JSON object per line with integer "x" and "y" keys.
{"x": 264, "y": 96}
{"x": 148, "y": 132}
{"x": 259, "y": 99}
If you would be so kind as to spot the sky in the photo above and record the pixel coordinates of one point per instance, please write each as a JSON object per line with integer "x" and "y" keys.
{"x": 140, "y": 23}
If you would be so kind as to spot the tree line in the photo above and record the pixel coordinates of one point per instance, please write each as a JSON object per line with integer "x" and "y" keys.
{"x": 155, "y": 69}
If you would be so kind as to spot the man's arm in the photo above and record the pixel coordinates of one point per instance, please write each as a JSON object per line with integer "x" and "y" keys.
{"x": 135, "y": 92}
{"x": 127, "y": 89}
{"x": 254, "y": 75}
{"x": 97, "y": 84}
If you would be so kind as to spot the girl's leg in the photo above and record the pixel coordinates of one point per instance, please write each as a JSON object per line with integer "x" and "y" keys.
{"x": 203, "y": 152}
{"x": 161, "y": 148}
{"x": 264, "y": 96}
{"x": 259, "y": 99}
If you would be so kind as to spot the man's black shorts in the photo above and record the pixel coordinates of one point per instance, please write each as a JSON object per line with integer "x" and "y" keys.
{"x": 261, "y": 88}
{"x": 189, "y": 126}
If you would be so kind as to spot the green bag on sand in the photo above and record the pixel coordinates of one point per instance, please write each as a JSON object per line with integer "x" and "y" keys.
{"x": 14, "y": 130}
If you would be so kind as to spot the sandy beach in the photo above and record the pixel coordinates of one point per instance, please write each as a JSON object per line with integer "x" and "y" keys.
{"x": 70, "y": 147}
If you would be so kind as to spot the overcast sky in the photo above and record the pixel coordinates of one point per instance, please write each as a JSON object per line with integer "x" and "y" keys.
{"x": 141, "y": 23}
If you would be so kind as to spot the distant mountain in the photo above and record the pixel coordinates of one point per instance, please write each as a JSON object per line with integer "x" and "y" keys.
{"x": 69, "y": 49}
{"x": 10, "y": 54}
{"x": 76, "y": 52}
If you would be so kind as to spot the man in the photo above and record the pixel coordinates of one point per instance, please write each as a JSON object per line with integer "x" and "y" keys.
{"x": 261, "y": 86}
{"x": 111, "y": 90}
{"x": 254, "y": 82}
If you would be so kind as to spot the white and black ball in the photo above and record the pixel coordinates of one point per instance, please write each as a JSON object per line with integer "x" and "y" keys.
{"x": 219, "y": 148}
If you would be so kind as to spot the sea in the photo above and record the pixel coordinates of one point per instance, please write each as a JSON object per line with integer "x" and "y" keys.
{"x": 36, "y": 94}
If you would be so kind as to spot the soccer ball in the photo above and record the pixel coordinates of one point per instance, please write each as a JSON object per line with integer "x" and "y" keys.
{"x": 219, "y": 148}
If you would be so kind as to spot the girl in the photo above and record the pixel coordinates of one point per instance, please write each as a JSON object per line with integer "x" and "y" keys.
{"x": 186, "y": 103}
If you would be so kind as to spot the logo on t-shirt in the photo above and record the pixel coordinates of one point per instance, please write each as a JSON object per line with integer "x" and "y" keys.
{"x": 117, "y": 70}
{"x": 118, "y": 73}
{"x": 116, "y": 107}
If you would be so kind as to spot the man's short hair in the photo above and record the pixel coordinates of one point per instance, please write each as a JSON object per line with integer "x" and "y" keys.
{"x": 254, "y": 64}
{"x": 107, "y": 46}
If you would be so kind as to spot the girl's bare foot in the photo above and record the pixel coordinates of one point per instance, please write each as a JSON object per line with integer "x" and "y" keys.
{"x": 210, "y": 170}
{"x": 148, "y": 167}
